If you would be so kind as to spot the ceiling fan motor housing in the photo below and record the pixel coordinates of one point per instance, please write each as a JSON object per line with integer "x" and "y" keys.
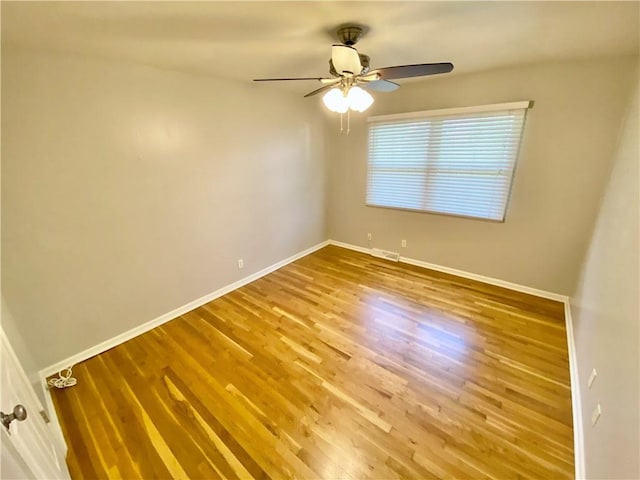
{"x": 364, "y": 61}
{"x": 350, "y": 34}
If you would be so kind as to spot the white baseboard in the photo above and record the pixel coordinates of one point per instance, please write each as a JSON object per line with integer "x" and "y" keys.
{"x": 576, "y": 402}
{"x": 461, "y": 273}
{"x": 357, "y": 248}
{"x": 145, "y": 327}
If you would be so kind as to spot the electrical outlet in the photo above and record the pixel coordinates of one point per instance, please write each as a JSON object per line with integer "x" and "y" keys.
{"x": 403, "y": 244}
{"x": 595, "y": 416}
{"x": 369, "y": 236}
{"x": 240, "y": 263}
{"x": 592, "y": 377}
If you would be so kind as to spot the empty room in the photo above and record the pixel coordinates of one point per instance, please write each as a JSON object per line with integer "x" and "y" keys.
{"x": 316, "y": 239}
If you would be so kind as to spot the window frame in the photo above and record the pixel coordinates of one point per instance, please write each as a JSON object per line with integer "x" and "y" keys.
{"x": 425, "y": 115}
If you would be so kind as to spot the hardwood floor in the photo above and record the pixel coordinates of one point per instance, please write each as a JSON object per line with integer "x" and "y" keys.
{"x": 339, "y": 365}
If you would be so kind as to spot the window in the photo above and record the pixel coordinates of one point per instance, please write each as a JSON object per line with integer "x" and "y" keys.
{"x": 454, "y": 161}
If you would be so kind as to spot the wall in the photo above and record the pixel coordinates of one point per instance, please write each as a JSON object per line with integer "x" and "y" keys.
{"x": 606, "y": 319}
{"x": 567, "y": 147}
{"x": 128, "y": 191}
{"x": 12, "y": 332}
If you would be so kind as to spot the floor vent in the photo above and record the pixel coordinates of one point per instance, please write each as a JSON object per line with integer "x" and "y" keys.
{"x": 393, "y": 256}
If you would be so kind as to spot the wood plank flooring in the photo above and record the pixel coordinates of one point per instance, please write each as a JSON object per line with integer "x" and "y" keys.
{"x": 337, "y": 366}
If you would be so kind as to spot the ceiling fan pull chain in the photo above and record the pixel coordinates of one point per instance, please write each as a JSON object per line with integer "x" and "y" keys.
{"x": 348, "y": 121}
{"x": 341, "y": 124}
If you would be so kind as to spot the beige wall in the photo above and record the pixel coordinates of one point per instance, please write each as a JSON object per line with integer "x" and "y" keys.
{"x": 128, "y": 191}
{"x": 606, "y": 319}
{"x": 566, "y": 152}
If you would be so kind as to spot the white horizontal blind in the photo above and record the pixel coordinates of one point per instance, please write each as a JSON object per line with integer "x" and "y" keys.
{"x": 460, "y": 164}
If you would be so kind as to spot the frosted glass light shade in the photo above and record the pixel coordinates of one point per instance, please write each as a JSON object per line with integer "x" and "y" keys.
{"x": 335, "y": 101}
{"x": 358, "y": 99}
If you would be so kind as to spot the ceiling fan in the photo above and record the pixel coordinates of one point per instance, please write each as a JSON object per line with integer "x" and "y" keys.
{"x": 351, "y": 75}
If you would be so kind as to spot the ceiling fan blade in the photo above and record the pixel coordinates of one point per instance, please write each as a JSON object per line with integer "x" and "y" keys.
{"x": 346, "y": 60}
{"x": 319, "y": 90}
{"x": 381, "y": 86}
{"x": 419, "y": 70}
{"x": 286, "y": 79}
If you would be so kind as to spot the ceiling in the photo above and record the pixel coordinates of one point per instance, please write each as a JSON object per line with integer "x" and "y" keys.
{"x": 245, "y": 40}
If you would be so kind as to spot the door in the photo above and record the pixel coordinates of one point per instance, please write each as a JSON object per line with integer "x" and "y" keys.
{"x": 28, "y": 448}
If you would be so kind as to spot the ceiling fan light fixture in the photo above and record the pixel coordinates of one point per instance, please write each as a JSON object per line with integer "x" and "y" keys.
{"x": 354, "y": 98}
{"x": 336, "y": 101}
{"x": 359, "y": 99}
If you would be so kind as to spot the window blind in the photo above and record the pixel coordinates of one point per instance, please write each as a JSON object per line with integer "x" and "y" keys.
{"x": 451, "y": 163}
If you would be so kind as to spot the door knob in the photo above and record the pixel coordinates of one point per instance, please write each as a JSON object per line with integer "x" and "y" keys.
{"x": 19, "y": 413}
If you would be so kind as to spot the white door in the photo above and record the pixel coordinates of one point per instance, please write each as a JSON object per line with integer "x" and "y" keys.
{"x": 11, "y": 463}
{"x": 28, "y": 448}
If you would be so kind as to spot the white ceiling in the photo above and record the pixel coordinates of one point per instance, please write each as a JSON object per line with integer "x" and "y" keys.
{"x": 245, "y": 40}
